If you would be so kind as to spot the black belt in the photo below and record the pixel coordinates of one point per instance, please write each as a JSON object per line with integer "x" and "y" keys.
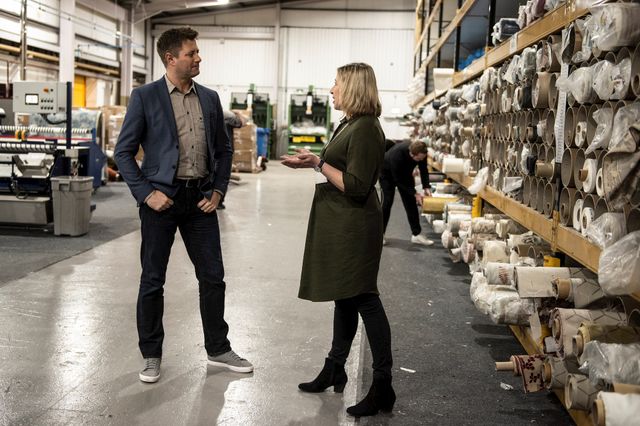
{"x": 192, "y": 182}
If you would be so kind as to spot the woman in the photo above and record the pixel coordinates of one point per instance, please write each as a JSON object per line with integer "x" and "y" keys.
{"x": 344, "y": 237}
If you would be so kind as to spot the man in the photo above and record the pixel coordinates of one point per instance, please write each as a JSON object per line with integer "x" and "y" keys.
{"x": 397, "y": 171}
{"x": 184, "y": 174}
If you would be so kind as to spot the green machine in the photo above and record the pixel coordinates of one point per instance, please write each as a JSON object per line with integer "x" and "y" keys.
{"x": 262, "y": 115}
{"x": 309, "y": 121}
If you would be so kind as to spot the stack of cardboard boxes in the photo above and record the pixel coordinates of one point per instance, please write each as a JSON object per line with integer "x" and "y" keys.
{"x": 245, "y": 153}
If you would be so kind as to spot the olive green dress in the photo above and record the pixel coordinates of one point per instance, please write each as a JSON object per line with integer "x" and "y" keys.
{"x": 344, "y": 237}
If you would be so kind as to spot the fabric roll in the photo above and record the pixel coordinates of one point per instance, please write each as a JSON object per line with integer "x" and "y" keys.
{"x": 635, "y": 71}
{"x": 599, "y": 183}
{"x": 619, "y": 409}
{"x": 567, "y": 202}
{"x": 577, "y": 215}
{"x": 611, "y": 362}
{"x": 556, "y": 371}
{"x": 589, "y": 173}
{"x": 529, "y": 367}
{"x": 504, "y": 227}
{"x": 565, "y": 324}
{"x": 580, "y": 136}
{"x": 582, "y": 292}
{"x": 604, "y": 333}
{"x": 540, "y": 89}
{"x": 468, "y": 251}
{"x": 499, "y": 273}
{"x": 453, "y": 165}
{"x": 481, "y": 225}
{"x": 493, "y": 250}
{"x": 585, "y": 220}
{"x": 580, "y": 393}
{"x": 537, "y": 282}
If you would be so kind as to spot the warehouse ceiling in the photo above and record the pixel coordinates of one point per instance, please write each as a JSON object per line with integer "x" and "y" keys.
{"x": 147, "y": 9}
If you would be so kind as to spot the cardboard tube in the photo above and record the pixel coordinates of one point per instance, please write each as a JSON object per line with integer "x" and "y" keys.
{"x": 553, "y": 92}
{"x": 578, "y": 345}
{"x": 600, "y": 208}
{"x": 580, "y": 393}
{"x": 506, "y": 366}
{"x": 540, "y": 89}
{"x": 591, "y": 123}
{"x": 567, "y": 166}
{"x": 549, "y": 135}
{"x": 540, "y": 195}
{"x": 570, "y": 126}
{"x": 549, "y": 198}
{"x": 588, "y": 175}
{"x": 597, "y": 413}
{"x": 635, "y": 71}
{"x": 544, "y": 170}
{"x": 626, "y": 388}
{"x": 567, "y": 202}
{"x": 562, "y": 287}
{"x": 558, "y": 372}
{"x": 577, "y": 166}
{"x": 577, "y": 212}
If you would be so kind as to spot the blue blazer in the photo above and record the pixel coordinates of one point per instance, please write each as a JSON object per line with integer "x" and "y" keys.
{"x": 150, "y": 123}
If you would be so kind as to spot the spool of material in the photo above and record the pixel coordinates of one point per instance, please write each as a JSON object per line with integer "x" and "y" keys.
{"x": 633, "y": 220}
{"x": 529, "y": 367}
{"x": 549, "y": 198}
{"x": 576, "y": 217}
{"x": 481, "y": 225}
{"x": 565, "y": 324}
{"x": 587, "y": 217}
{"x": 567, "y": 166}
{"x": 567, "y": 202}
{"x": 544, "y": 170}
{"x": 635, "y": 71}
{"x": 537, "y": 282}
{"x": 570, "y": 126}
{"x": 588, "y": 175}
{"x": 601, "y": 208}
{"x": 488, "y": 243}
{"x": 504, "y": 227}
{"x": 540, "y": 195}
{"x": 556, "y": 372}
{"x": 582, "y": 292}
{"x": 540, "y": 89}
{"x": 604, "y": 333}
{"x": 615, "y": 409}
{"x": 453, "y": 165}
{"x": 500, "y": 273}
{"x": 553, "y": 92}
{"x": 549, "y": 136}
{"x": 599, "y": 183}
{"x": 579, "y": 393}
{"x": 468, "y": 252}
{"x": 436, "y": 205}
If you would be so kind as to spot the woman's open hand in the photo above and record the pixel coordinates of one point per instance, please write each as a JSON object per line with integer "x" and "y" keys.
{"x": 304, "y": 159}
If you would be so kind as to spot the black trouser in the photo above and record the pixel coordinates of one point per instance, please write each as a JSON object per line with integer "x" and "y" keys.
{"x": 201, "y": 237}
{"x": 345, "y": 325}
{"x": 408, "y": 196}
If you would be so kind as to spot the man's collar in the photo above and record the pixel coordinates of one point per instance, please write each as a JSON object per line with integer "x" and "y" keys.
{"x": 171, "y": 87}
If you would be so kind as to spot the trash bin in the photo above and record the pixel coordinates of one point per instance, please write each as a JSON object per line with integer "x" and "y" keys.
{"x": 71, "y": 204}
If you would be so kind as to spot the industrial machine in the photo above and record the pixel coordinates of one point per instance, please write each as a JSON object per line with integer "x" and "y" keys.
{"x": 309, "y": 121}
{"x": 32, "y": 155}
{"x": 261, "y": 114}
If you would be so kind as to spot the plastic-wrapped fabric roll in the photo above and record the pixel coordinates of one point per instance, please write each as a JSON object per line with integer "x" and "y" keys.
{"x": 589, "y": 174}
{"x": 448, "y": 240}
{"x": 579, "y": 393}
{"x": 616, "y": 409}
{"x": 585, "y": 220}
{"x": 618, "y": 268}
{"x": 468, "y": 251}
{"x": 611, "y": 362}
{"x": 565, "y": 324}
{"x": 556, "y": 372}
{"x": 577, "y": 215}
{"x": 494, "y": 251}
{"x": 453, "y": 165}
{"x": 481, "y": 225}
{"x": 480, "y": 240}
{"x": 582, "y": 292}
{"x": 508, "y": 226}
{"x": 588, "y": 332}
{"x": 537, "y": 282}
{"x": 438, "y": 226}
{"x": 508, "y": 308}
{"x": 499, "y": 273}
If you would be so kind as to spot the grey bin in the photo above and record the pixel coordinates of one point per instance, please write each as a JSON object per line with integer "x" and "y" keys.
{"x": 71, "y": 204}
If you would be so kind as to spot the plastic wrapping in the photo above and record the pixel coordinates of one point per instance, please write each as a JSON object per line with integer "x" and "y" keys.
{"x": 480, "y": 181}
{"x": 619, "y": 268}
{"x": 620, "y": 177}
{"x": 622, "y": 139}
{"x": 512, "y": 75}
{"x": 622, "y": 79}
{"x": 604, "y": 84}
{"x": 508, "y": 308}
{"x": 470, "y": 92}
{"x": 523, "y": 159}
{"x": 511, "y": 184}
{"x": 482, "y": 226}
{"x": 527, "y": 65}
{"x": 500, "y": 273}
{"x": 604, "y": 121}
{"x": 503, "y": 29}
{"x": 616, "y": 25}
{"x": 488, "y": 80}
{"x": 585, "y": 27}
{"x": 466, "y": 148}
{"x": 580, "y": 84}
{"x": 611, "y": 362}
{"x": 607, "y": 229}
{"x": 429, "y": 114}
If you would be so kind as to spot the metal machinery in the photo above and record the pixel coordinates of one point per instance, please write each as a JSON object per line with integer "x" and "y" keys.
{"x": 31, "y": 155}
{"x": 261, "y": 114}
{"x": 309, "y": 121}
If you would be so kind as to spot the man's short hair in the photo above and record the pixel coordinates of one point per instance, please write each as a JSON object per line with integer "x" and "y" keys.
{"x": 171, "y": 41}
{"x": 418, "y": 147}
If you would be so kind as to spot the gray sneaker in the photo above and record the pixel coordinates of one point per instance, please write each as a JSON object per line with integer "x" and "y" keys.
{"x": 151, "y": 371}
{"x": 232, "y": 361}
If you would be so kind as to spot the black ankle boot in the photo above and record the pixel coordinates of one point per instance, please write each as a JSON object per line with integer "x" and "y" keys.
{"x": 332, "y": 374}
{"x": 381, "y": 397}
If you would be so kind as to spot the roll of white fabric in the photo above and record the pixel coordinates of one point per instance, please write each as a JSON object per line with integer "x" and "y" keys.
{"x": 498, "y": 273}
{"x": 591, "y": 166}
{"x": 537, "y": 282}
{"x": 586, "y": 219}
{"x": 495, "y": 251}
{"x": 438, "y": 226}
{"x": 599, "y": 183}
{"x": 581, "y": 133}
{"x": 577, "y": 215}
{"x": 482, "y": 226}
{"x": 620, "y": 409}
{"x": 453, "y": 165}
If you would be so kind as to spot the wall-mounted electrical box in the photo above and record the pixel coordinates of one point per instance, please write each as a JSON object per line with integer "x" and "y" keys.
{"x": 39, "y": 97}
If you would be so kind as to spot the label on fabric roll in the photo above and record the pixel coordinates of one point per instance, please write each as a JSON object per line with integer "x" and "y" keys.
{"x": 560, "y": 115}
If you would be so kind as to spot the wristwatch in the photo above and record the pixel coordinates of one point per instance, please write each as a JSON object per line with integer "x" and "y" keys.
{"x": 318, "y": 168}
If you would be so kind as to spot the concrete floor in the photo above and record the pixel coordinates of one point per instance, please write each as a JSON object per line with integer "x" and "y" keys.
{"x": 68, "y": 341}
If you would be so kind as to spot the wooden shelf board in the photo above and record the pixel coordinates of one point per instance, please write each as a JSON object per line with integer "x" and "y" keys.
{"x": 523, "y": 335}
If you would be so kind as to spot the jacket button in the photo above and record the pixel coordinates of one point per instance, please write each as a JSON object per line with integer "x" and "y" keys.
{"x": 173, "y": 167}
{"x": 177, "y": 146}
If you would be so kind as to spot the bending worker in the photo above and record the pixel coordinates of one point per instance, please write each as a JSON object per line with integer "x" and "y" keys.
{"x": 397, "y": 172}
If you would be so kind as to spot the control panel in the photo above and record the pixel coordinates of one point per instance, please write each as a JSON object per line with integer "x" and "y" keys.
{"x": 39, "y": 97}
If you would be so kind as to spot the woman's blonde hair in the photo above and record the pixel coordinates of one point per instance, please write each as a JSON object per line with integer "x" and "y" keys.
{"x": 359, "y": 92}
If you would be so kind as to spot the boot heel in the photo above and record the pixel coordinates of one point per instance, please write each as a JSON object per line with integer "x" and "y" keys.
{"x": 388, "y": 408}
{"x": 339, "y": 388}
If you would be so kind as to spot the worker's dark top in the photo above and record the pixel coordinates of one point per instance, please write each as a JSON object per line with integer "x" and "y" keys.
{"x": 398, "y": 167}
{"x": 344, "y": 237}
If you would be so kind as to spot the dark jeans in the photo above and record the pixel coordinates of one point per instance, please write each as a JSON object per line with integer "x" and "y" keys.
{"x": 201, "y": 237}
{"x": 345, "y": 325}
{"x": 407, "y": 194}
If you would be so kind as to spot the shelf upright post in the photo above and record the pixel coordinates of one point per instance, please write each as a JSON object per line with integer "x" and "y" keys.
{"x": 492, "y": 21}
{"x": 456, "y": 49}
{"x": 441, "y": 16}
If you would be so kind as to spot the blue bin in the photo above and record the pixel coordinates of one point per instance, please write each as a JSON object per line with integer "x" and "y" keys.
{"x": 262, "y": 141}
